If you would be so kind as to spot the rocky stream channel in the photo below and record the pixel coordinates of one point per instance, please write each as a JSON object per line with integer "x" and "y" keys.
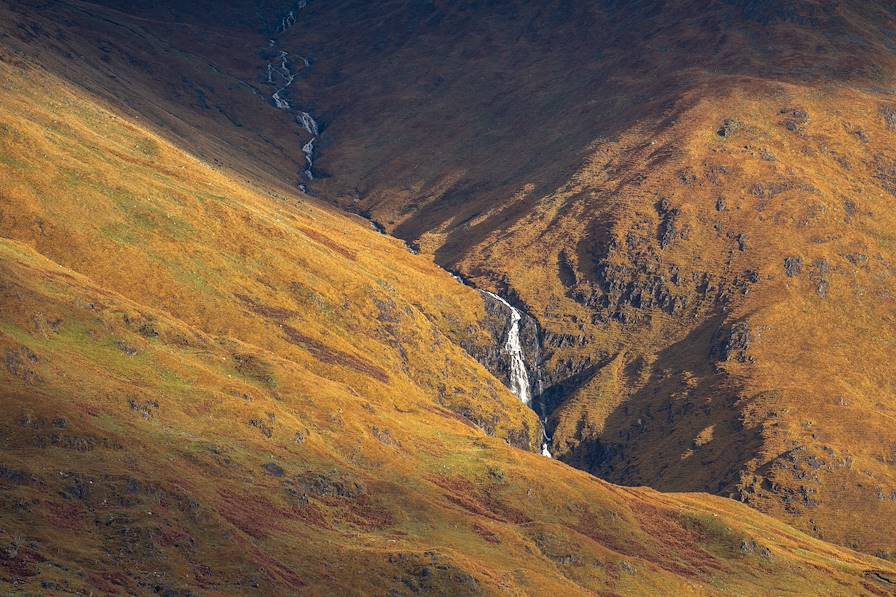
{"x": 515, "y": 358}
{"x": 279, "y": 73}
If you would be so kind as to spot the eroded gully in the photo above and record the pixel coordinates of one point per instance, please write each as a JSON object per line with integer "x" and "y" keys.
{"x": 280, "y": 74}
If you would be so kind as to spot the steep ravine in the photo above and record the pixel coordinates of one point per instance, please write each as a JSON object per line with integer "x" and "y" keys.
{"x": 515, "y": 356}
{"x": 520, "y": 383}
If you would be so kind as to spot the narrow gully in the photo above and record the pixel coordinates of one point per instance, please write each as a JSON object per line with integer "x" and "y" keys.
{"x": 520, "y": 382}
{"x": 519, "y": 374}
{"x": 280, "y": 74}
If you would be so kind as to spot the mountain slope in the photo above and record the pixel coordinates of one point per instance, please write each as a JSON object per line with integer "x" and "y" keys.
{"x": 213, "y": 384}
{"x": 193, "y": 76}
{"x": 693, "y": 199}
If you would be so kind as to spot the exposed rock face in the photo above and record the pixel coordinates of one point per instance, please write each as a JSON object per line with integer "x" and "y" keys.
{"x": 630, "y": 281}
{"x": 794, "y": 119}
{"x": 820, "y": 277}
{"x": 888, "y": 113}
{"x": 793, "y": 266}
{"x": 669, "y": 226}
{"x": 493, "y": 355}
{"x": 732, "y": 343}
{"x": 728, "y": 128}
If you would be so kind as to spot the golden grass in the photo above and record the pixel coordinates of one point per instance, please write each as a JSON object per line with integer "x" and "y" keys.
{"x": 208, "y": 389}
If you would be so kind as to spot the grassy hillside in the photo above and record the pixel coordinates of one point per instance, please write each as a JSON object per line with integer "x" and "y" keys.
{"x": 694, "y": 199}
{"x": 214, "y": 385}
{"x": 195, "y": 80}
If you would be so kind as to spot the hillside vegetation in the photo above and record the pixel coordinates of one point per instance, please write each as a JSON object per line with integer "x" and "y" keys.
{"x": 212, "y": 384}
{"x": 695, "y": 200}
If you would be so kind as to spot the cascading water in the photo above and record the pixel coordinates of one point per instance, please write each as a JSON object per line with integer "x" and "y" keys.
{"x": 280, "y": 74}
{"x": 308, "y": 150}
{"x": 308, "y": 123}
{"x": 519, "y": 374}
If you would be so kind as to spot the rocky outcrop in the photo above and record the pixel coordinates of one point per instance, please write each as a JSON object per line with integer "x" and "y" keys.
{"x": 627, "y": 293}
{"x": 729, "y": 127}
{"x": 820, "y": 277}
{"x": 492, "y": 355}
{"x": 793, "y": 266}
{"x": 732, "y": 343}
{"x": 669, "y": 229}
{"x": 888, "y": 113}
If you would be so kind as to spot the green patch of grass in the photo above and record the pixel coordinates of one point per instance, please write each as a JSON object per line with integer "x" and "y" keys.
{"x": 308, "y": 298}
{"x": 173, "y": 382}
{"x": 16, "y": 333}
{"x": 140, "y": 214}
{"x": 11, "y": 162}
{"x": 466, "y": 463}
{"x": 191, "y": 273}
{"x": 885, "y": 239}
{"x": 717, "y": 537}
{"x": 79, "y": 337}
{"x": 120, "y": 233}
{"x": 148, "y": 147}
{"x": 211, "y": 198}
{"x": 135, "y": 210}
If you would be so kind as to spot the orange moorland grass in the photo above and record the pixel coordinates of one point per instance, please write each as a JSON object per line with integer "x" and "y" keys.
{"x": 815, "y": 383}
{"x": 209, "y": 390}
{"x": 775, "y": 160}
{"x": 658, "y": 184}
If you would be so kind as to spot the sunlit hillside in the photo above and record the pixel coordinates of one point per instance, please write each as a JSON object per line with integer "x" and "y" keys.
{"x": 694, "y": 200}
{"x": 214, "y": 384}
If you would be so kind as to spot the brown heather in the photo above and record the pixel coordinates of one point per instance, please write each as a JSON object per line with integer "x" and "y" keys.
{"x": 213, "y": 384}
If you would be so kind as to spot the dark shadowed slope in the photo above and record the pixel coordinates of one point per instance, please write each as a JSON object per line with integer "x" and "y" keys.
{"x": 212, "y": 384}
{"x": 695, "y": 200}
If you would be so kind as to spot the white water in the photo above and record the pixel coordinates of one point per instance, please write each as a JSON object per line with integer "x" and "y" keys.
{"x": 519, "y": 376}
{"x": 284, "y": 73}
{"x": 308, "y": 123}
{"x": 280, "y": 102}
{"x": 288, "y": 78}
{"x": 308, "y": 150}
{"x": 288, "y": 21}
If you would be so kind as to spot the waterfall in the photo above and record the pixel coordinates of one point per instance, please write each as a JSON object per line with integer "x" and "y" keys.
{"x": 308, "y": 123}
{"x": 519, "y": 374}
{"x": 308, "y": 150}
{"x": 288, "y": 77}
{"x": 288, "y": 21}
{"x": 280, "y": 68}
